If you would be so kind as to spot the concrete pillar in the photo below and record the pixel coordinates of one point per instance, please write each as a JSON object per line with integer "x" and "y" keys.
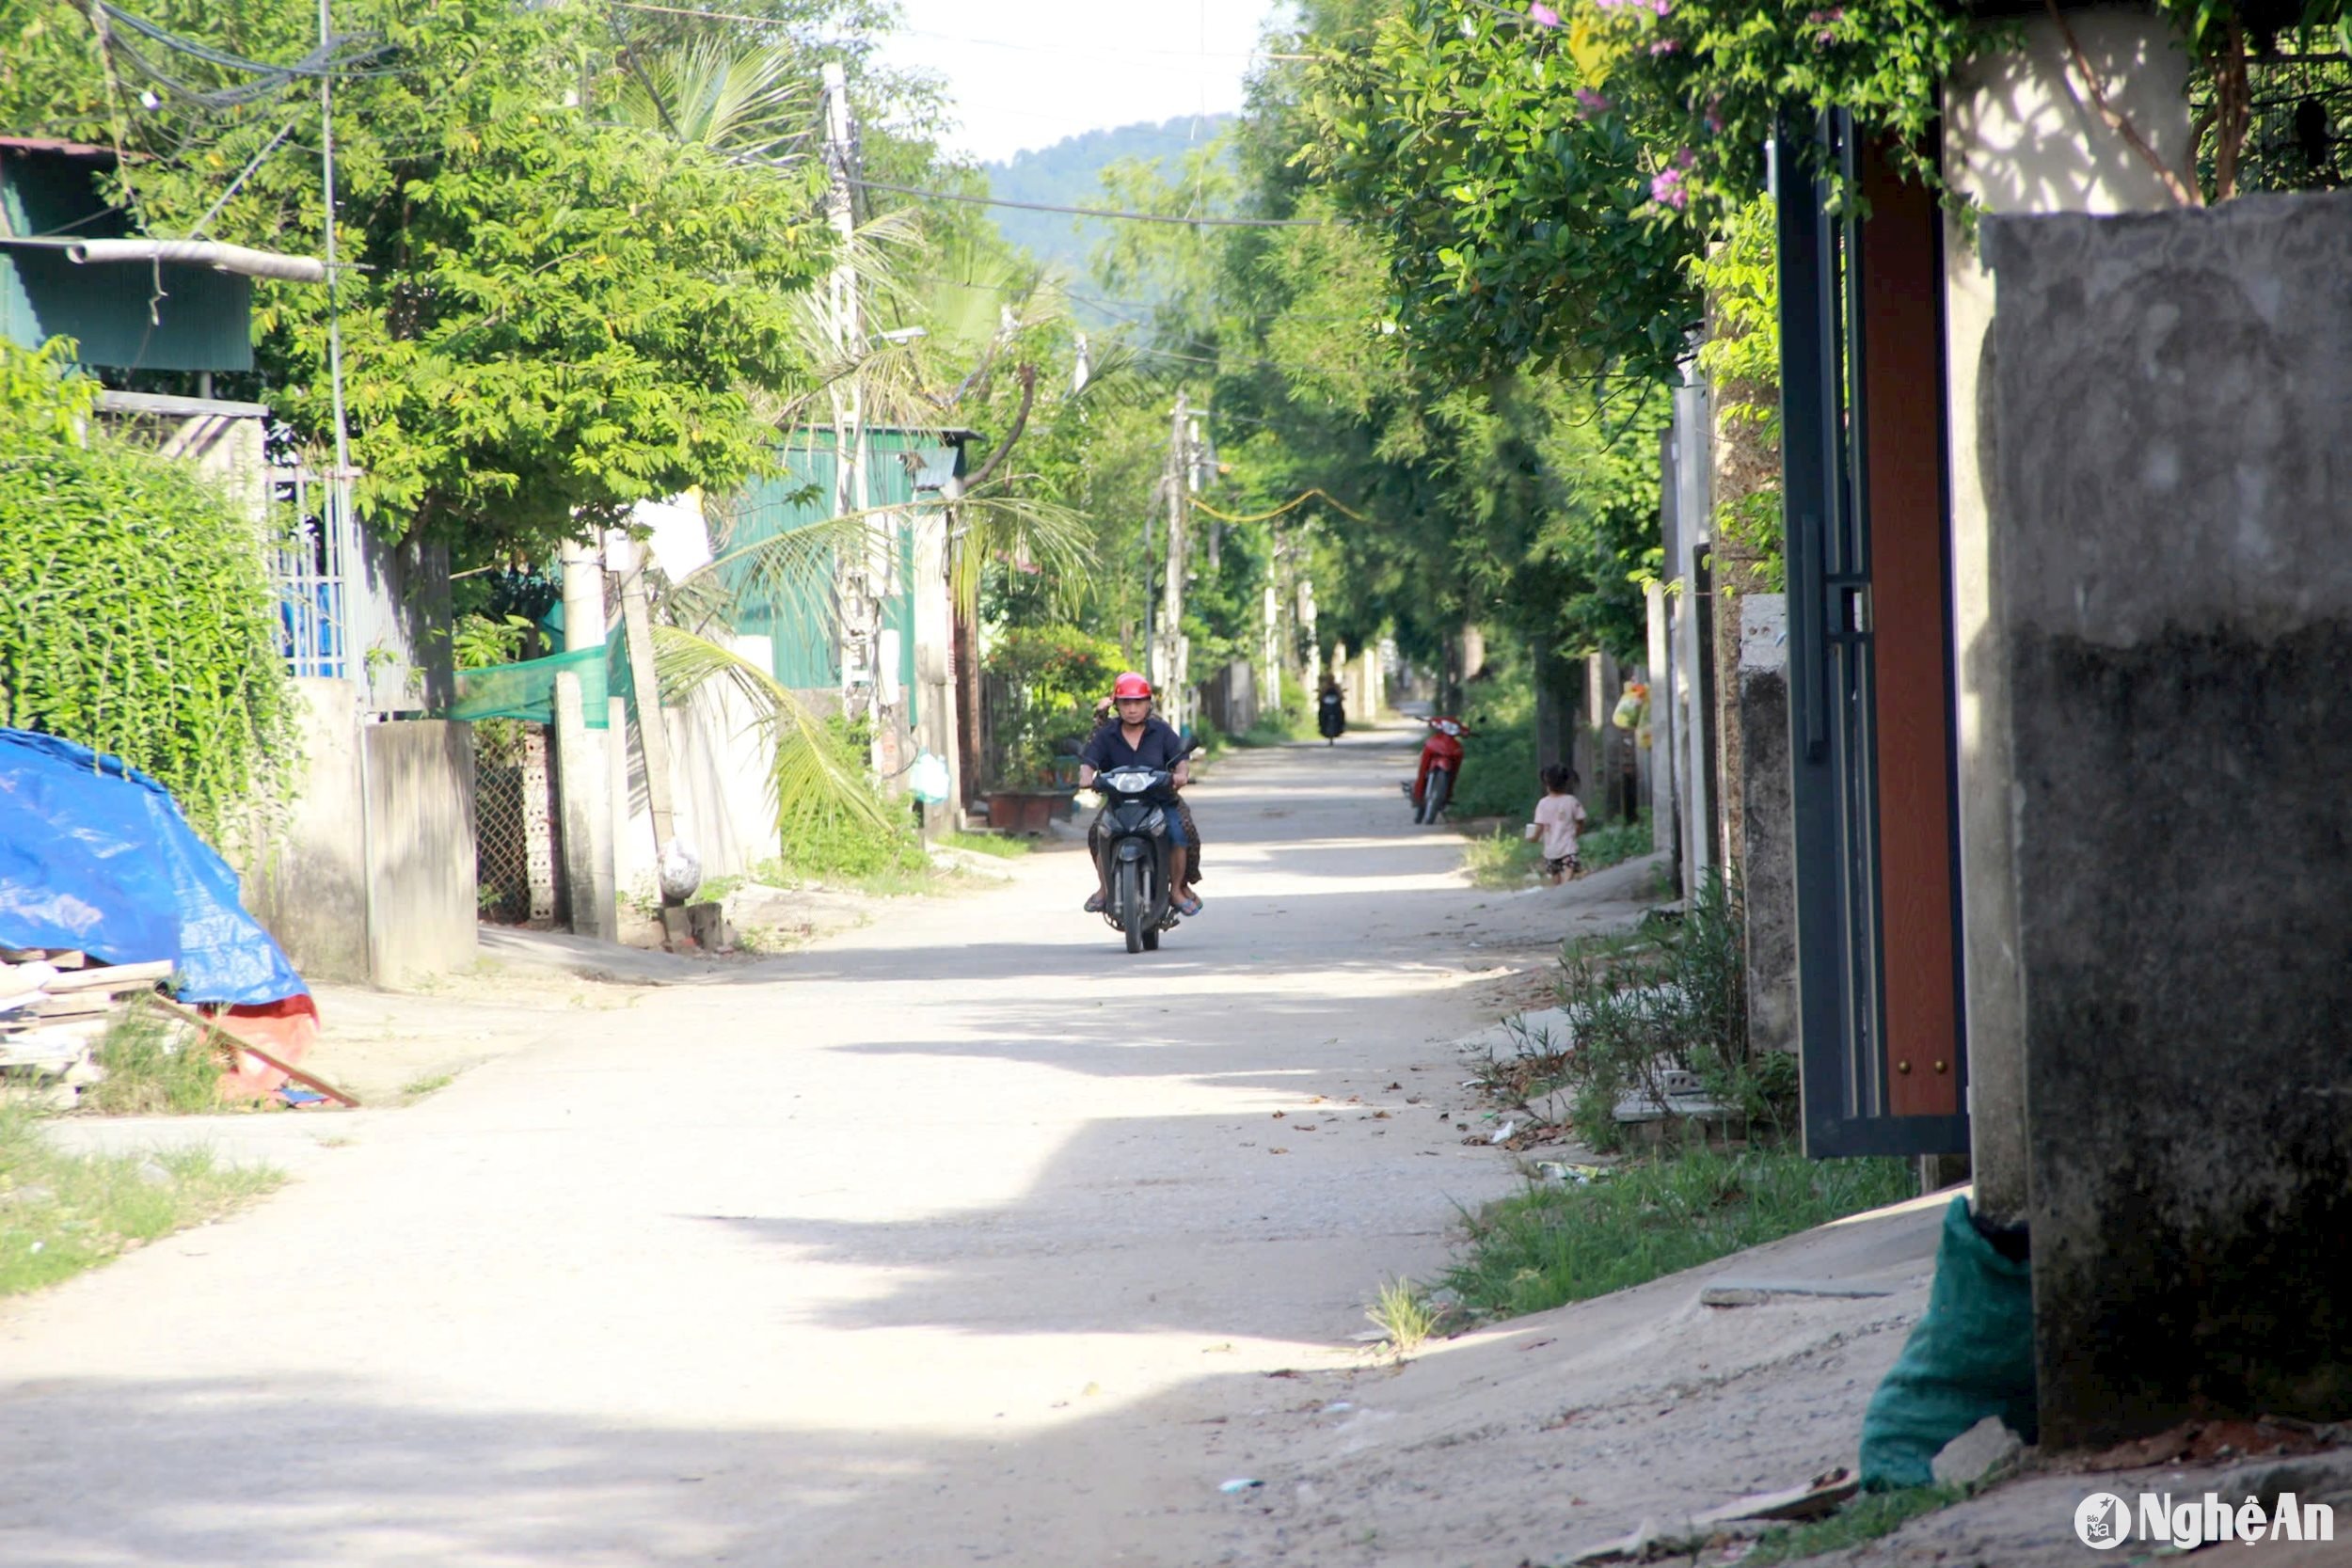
{"x": 1693, "y": 717}
{"x": 1768, "y": 824}
{"x": 308, "y": 885}
{"x": 2021, "y": 136}
{"x": 587, "y": 817}
{"x": 1661, "y": 723}
{"x": 421, "y": 798}
{"x": 584, "y": 758}
{"x": 2170, "y": 615}
{"x": 934, "y": 695}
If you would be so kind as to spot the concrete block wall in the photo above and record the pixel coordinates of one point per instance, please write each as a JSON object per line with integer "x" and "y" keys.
{"x": 2170, "y": 509}
{"x": 421, "y": 798}
{"x": 308, "y": 882}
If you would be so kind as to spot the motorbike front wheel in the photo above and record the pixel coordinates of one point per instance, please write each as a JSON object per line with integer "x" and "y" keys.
{"x": 1433, "y": 798}
{"x": 1132, "y": 916}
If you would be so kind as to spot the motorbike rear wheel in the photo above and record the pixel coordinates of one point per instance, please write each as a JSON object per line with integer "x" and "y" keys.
{"x": 1433, "y": 798}
{"x": 1132, "y": 916}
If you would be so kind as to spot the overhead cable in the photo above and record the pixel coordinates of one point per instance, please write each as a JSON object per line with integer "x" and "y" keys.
{"x": 329, "y": 59}
{"x": 1098, "y": 212}
{"x": 1298, "y": 500}
{"x": 947, "y": 37}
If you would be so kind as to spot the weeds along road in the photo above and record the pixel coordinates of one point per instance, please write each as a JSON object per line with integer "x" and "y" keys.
{"x": 963, "y": 1237}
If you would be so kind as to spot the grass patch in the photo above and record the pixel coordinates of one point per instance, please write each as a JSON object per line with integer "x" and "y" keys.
{"x": 1404, "y": 1315}
{"x": 1867, "y": 1518}
{"x": 1614, "y": 844}
{"x": 1504, "y": 859}
{"x": 1554, "y": 1245}
{"x": 62, "y": 1214}
{"x": 893, "y": 880}
{"x": 150, "y": 1071}
{"x": 1293, "y": 720}
{"x": 431, "y": 1082}
{"x": 1005, "y": 846}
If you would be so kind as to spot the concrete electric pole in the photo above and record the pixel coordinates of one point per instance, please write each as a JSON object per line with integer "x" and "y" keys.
{"x": 863, "y": 581}
{"x": 1168, "y": 664}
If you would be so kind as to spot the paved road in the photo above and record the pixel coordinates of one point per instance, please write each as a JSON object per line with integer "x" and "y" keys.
{"x": 965, "y": 1238}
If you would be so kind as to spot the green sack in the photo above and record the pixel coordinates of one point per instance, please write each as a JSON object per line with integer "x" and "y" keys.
{"x": 1970, "y": 1357}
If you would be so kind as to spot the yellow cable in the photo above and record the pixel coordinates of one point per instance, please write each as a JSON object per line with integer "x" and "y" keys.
{"x": 1298, "y": 499}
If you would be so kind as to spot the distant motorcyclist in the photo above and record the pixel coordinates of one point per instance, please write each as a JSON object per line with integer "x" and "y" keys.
{"x": 1139, "y": 740}
{"x": 1331, "y": 711}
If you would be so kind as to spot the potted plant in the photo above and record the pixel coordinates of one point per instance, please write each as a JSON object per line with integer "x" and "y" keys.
{"x": 1052, "y": 675}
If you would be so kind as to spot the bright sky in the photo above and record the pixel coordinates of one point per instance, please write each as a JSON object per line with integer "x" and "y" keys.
{"x": 1026, "y": 73}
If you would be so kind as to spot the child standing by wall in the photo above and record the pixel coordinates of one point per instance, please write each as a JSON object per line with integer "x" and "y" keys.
{"x": 1559, "y": 817}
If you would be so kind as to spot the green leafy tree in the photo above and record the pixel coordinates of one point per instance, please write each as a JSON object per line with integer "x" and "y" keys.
{"x": 548, "y": 315}
{"x": 1524, "y": 220}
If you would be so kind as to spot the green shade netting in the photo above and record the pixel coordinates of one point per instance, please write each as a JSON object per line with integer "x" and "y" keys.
{"x": 527, "y": 691}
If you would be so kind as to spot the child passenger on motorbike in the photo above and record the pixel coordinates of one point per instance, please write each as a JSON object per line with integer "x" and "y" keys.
{"x": 1138, "y": 740}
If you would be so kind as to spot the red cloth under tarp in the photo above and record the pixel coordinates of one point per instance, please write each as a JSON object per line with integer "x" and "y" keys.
{"x": 286, "y": 1029}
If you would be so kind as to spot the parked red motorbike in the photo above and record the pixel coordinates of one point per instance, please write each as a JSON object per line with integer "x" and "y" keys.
{"x": 1441, "y": 767}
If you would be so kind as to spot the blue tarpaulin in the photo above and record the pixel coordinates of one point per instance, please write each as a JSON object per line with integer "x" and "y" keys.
{"x": 95, "y": 855}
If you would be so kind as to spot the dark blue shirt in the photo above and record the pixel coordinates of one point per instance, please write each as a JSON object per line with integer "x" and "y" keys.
{"x": 1161, "y": 747}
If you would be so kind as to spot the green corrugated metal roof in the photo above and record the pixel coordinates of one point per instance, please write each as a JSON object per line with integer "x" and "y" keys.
{"x": 201, "y": 321}
{"x": 797, "y": 617}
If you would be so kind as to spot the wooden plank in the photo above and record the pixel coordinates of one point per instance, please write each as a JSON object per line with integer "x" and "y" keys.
{"x": 85, "y": 1006}
{"x": 112, "y": 978}
{"x": 215, "y": 1026}
{"x": 60, "y": 957}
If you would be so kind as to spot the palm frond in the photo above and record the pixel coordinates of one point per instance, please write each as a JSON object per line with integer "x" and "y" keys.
{"x": 811, "y": 775}
{"x": 743, "y": 102}
{"x": 1058, "y": 541}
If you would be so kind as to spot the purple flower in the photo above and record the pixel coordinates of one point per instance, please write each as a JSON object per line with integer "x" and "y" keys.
{"x": 1664, "y": 46}
{"x": 1541, "y": 14}
{"x": 1589, "y": 103}
{"x": 1663, "y": 8}
{"x": 1666, "y": 187}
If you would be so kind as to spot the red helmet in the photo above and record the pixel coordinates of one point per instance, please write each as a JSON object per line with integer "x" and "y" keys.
{"x": 1130, "y": 685}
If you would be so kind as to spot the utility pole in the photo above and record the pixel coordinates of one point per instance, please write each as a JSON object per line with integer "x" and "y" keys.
{"x": 862, "y": 582}
{"x": 653, "y": 735}
{"x": 342, "y": 524}
{"x": 1170, "y": 674}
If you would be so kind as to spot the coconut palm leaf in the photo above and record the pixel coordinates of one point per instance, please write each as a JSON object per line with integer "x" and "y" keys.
{"x": 745, "y": 102}
{"x": 810, "y": 773}
{"x": 1057, "y": 539}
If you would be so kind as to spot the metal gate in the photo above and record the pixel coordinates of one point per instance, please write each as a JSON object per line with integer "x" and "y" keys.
{"x": 1869, "y": 668}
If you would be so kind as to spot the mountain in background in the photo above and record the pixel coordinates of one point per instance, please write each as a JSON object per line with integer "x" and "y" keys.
{"x": 1068, "y": 174}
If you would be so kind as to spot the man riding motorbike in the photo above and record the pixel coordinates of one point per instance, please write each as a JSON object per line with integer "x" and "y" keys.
{"x": 1138, "y": 740}
{"x": 1331, "y": 711}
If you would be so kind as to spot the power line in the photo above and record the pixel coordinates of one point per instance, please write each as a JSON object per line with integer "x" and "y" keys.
{"x": 948, "y": 37}
{"x": 1096, "y": 212}
{"x": 1298, "y": 500}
